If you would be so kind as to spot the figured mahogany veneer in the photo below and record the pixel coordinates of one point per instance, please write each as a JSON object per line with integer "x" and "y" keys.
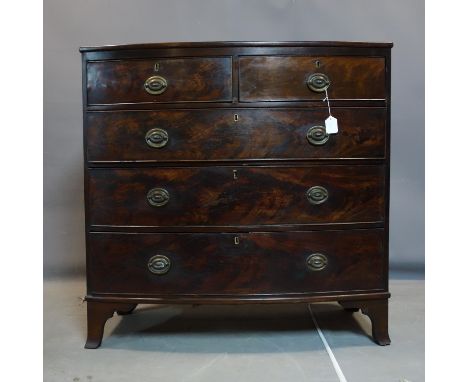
{"x": 283, "y": 78}
{"x": 228, "y": 134}
{"x": 204, "y": 196}
{"x": 188, "y": 80}
{"x": 209, "y": 177}
{"x": 213, "y": 264}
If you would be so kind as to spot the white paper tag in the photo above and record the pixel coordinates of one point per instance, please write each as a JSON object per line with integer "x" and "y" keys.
{"x": 331, "y": 125}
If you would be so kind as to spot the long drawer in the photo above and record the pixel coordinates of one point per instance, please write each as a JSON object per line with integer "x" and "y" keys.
{"x": 243, "y": 134}
{"x": 305, "y": 78}
{"x": 199, "y": 79}
{"x": 207, "y": 196}
{"x": 247, "y": 263}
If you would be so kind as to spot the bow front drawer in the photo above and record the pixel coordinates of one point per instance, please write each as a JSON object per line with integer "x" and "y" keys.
{"x": 245, "y": 263}
{"x": 242, "y": 134}
{"x": 305, "y": 78}
{"x": 225, "y": 196}
{"x": 159, "y": 80}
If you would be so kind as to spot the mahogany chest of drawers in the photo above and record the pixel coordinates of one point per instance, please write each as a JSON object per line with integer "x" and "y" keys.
{"x": 210, "y": 177}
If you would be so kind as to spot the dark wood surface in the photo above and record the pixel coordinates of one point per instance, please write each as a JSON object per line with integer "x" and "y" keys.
{"x": 98, "y": 314}
{"x": 249, "y": 44}
{"x": 236, "y": 299}
{"x": 283, "y": 78}
{"x": 200, "y": 135}
{"x": 265, "y": 207}
{"x": 262, "y": 263}
{"x": 259, "y": 195}
{"x": 235, "y": 104}
{"x": 377, "y": 311}
{"x": 188, "y": 80}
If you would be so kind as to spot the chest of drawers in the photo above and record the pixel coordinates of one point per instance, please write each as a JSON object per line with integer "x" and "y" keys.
{"x": 210, "y": 177}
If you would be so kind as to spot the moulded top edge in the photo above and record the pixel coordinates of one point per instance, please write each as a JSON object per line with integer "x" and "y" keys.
{"x": 220, "y": 44}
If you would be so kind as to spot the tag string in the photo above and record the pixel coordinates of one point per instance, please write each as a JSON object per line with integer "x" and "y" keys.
{"x": 328, "y": 102}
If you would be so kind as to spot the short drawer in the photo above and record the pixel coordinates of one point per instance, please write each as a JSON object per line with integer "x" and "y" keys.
{"x": 159, "y": 80}
{"x": 245, "y": 263}
{"x": 225, "y": 196}
{"x": 304, "y": 78}
{"x": 191, "y": 135}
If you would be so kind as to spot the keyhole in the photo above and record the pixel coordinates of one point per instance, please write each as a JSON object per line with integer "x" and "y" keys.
{"x": 156, "y": 67}
{"x": 236, "y": 240}
{"x": 317, "y": 64}
{"x": 236, "y": 117}
{"x": 234, "y": 174}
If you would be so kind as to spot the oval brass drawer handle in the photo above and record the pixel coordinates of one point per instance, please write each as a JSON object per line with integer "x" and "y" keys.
{"x": 318, "y": 82}
{"x": 157, "y": 138}
{"x": 155, "y": 85}
{"x": 317, "y": 195}
{"x": 317, "y": 261}
{"x": 317, "y": 135}
{"x": 159, "y": 264}
{"x": 158, "y": 197}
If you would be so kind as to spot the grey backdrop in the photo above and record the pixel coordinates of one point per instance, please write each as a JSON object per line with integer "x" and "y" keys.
{"x": 69, "y": 24}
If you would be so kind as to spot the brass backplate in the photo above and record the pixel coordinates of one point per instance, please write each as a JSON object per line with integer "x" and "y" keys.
{"x": 317, "y": 261}
{"x": 155, "y": 85}
{"x": 159, "y": 264}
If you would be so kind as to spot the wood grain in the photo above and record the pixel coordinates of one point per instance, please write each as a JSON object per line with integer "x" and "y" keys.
{"x": 197, "y": 135}
{"x": 265, "y": 207}
{"x": 259, "y": 195}
{"x": 188, "y": 80}
{"x": 283, "y": 78}
{"x": 262, "y": 263}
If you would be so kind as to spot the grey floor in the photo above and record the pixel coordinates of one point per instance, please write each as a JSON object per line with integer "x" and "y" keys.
{"x": 232, "y": 343}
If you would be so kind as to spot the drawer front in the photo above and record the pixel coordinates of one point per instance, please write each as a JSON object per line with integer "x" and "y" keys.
{"x": 301, "y": 78}
{"x": 212, "y": 196}
{"x": 240, "y": 134}
{"x": 175, "y": 80}
{"x": 260, "y": 263}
